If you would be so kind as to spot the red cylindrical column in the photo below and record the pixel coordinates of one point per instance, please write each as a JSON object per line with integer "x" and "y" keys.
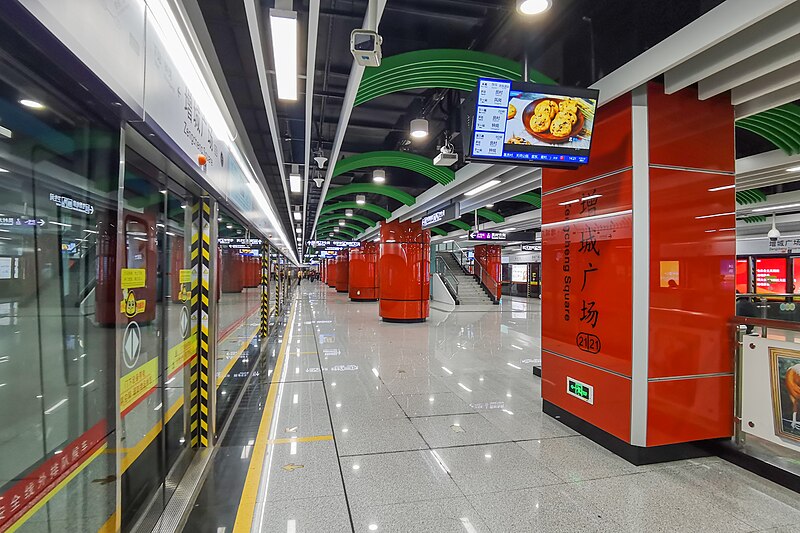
{"x": 363, "y": 272}
{"x": 343, "y": 270}
{"x": 233, "y": 265}
{"x": 404, "y": 271}
{"x": 332, "y": 267}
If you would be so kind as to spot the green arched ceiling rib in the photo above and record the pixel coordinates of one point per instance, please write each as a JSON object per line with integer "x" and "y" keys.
{"x": 346, "y": 231}
{"x": 755, "y": 219}
{"x": 439, "y": 231}
{"x": 371, "y": 188}
{"x": 460, "y": 224}
{"x": 378, "y": 210}
{"x": 532, "y": 198}
{"x": 328, "y": 226}
{"x": 437, "y": 69}
{"x": 780, "y": 126}
{"x": 491, "y": 215}
{"x": 364, "y": 220}
{"x": 752, "y": 196}
{"x": 412, "y": 162}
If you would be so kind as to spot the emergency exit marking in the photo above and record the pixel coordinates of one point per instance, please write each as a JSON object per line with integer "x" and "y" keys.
{"x": 582, "y": 391}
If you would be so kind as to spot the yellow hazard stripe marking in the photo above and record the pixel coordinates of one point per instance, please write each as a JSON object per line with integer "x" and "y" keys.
{"x": 317, "y": 438}
{"x": 247, "y": 504}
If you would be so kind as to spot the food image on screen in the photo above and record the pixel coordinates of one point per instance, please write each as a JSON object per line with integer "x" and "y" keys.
{"x": 548, "y": 120}
{"x": 530, "y": 123}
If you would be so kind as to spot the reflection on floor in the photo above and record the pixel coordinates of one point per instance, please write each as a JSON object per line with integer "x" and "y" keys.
{"x": 361, "y": 425}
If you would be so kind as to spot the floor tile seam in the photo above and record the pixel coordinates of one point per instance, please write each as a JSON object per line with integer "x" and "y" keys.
{"x": 414, "y": 417}
{"x": 330, "y": 420}
{"x": 412, "y": 502}
{"x": 302, "y": 499}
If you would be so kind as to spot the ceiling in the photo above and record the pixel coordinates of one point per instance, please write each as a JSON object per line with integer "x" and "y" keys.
{"x": 576, "y": 43}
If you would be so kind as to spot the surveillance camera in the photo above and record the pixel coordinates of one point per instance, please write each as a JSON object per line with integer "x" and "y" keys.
{"x": 318, "y": 182}
{"x": 365, "y": 45}
{"x": 773, "y": 235}
{"x": 321, "y": 160}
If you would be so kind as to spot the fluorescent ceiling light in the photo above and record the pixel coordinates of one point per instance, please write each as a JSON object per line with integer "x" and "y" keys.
{"x": 489, "y": 206}
{"x": 533, "y": 7}
{"x": 793, "y": 169}
{"x": 295, "y": 184}
{"x": 775, "y": 207}
{"x": 419, "y": 128}
{"x": 5, "y": 132}
{"x": 2, "y": 170}
{"x": 509, "y": 229}
{"x": 715, "y": 189}
{"x": 33, "y": 104}
{"x": 283, "y": 25}
{"x": 298, "y": 230}
{"x": 481, "y": 188}
{"x": 298, "y": 216}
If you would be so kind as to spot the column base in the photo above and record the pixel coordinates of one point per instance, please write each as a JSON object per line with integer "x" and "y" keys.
{"x": 636, "y": 455}
{"x": 404, "y": 320}
{"x": 340, "y": 291}
{"x": 363, "y": 299}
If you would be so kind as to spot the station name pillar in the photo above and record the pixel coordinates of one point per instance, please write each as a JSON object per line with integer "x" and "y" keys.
{"x": 638, "y": 268}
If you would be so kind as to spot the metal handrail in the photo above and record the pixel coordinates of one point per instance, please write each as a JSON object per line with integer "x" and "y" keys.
{"x": 485, "y": 279}
{"x": 444, "y": 270}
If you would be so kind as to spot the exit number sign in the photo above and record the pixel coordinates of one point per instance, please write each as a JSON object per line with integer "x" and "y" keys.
{"x": 582, "y": 391}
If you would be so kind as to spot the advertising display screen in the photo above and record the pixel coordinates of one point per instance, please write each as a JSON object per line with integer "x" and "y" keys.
{"x": 771, "y": 275}
{"x": 528, "y": 123}
{"x": 519, "y": 273}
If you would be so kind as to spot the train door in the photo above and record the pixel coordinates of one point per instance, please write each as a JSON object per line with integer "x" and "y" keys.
{"x": 156, "y": 336}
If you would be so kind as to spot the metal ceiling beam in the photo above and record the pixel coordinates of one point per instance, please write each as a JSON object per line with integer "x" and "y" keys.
{"x": 753, "y": 40}
{"x": 788, "y": 75}
{"x": 753, "y": 67}
{"x": 725, "y": 20}
{"x": 782, "y": 96}
{"x": 356, "y": 73}
{"x": 254, "y": 25}
{"x": 311, "y": 63}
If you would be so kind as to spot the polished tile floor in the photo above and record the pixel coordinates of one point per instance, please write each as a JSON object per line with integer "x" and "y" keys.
{"x": 437, "y": 427}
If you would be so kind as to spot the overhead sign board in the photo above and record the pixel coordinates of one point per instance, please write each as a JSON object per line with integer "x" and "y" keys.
{"x": 334, "y": 244}
{"x": 488, "y": 236}
{"x": 530, "y": 247}
{"x": 439, "y": 216}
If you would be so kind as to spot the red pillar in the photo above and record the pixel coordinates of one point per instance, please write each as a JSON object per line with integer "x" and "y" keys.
{"x": 342, "y": 270}
{"x": 323, "y": 265}
{"x": 404, "y": 271}
{"x": 332, "y": 268}
{"x": 639, "y": 247}
{"x": 233, "y": 265}
{"x": 490, "y": 258}
{"x": 363, "y": 272}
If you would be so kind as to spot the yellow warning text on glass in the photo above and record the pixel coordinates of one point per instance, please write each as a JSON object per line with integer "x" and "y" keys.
{"x": 136, "y": 384}
{"x": 185, "y": 276}
{"x": 181, "y": 354}
{"x": 133, "y": 278}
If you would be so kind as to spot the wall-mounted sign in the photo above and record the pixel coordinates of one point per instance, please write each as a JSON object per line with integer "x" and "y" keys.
{"x": 530, "y": 247}
{"x": 582, "y": 391}
{"x": 66, "y": 202}
{"x": 488, "y": 236}
{"x": 439, "y": 216}
{"x": 519, "y": 274}
{"x": 22, "y": 221}
{"x": 239, "y": 244}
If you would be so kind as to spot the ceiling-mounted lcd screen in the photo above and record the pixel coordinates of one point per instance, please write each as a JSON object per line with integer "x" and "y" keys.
{"x": 524, "y": 123}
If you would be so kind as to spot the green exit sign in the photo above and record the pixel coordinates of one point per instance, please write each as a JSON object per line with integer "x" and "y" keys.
{"x": 582, "y": 391}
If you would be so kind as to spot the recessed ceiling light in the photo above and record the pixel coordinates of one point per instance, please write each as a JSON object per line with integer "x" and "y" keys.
{"x": 481, "y": 188}
{"x": 283, "y": 25}
{"x": 533, "y": 7}
{"x": 33, "y": 104}
{"x": 793, "y": 169}
{"x": 379, "y": 176}
{"x": 361, "y": 199}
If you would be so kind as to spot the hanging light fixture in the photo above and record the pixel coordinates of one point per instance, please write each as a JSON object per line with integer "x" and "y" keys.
{"x": 379, "y": 176}
{"x": 348, "y": 212}
{"x": 361, "y": 199}
{"x": 341, "y": 222}
{"x": 419, "y": 128}
{"x": 533, "y": 7}
{"x": 336, "y": 229}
